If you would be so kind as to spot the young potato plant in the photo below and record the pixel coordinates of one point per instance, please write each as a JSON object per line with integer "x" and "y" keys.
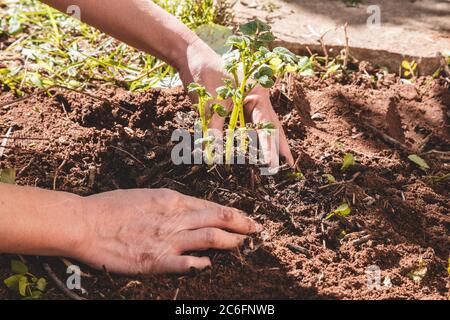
{"x": 249, "y": 63}
{"x": 206, "y": 115}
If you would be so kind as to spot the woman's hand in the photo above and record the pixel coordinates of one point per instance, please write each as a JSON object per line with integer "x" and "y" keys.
{"x": 148, "y": 230}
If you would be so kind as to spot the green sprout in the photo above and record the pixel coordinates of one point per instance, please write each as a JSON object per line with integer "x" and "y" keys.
{"x": 26, "y": 284}
{"x": 409, "y": 68}
{"x": 419, "y": 162}
{"x": 206, "y": 115}
{"x": 250, "y": 57}
{"x": 349, "y": 160}
{"x": 343, "y": 210}
{"x": 419, "y": 272}
{"x": 330, "y": 178}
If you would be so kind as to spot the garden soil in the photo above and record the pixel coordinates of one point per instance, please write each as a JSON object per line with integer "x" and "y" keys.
{"x": 400, "y": 218}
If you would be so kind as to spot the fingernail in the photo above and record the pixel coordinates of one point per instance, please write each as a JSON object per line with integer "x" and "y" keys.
{"x": 259, "y": 227}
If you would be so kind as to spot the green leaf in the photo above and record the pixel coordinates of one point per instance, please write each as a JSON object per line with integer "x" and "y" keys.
{"x": 13, "y": 282}
{"x": 18, "y": 267}
{"x": 419, "y": 161}
{"x": 36, "y": 294}
{"x": 266, "y": 37}
{"x": 265, "y": 81}
{"x": 285, "y": 55}
{"x": 35, "y": 79}
{"x": 349, "y": 160}
{"x": 330, "y": 178}
{"x": 237, "y": 42}
{"x": 253, "y": 27}
{"x": 23, "y": 285}
{"x": 219, "y": 109}
{"x": 8, "y": 176}
{"x": 41, "y": 284}
{"x": 199, "y": 89}
{"x": 296, "y": 174}
{"x": 418, "y": 274}
{"x": 224, "y": 92}
{"x": 343, "y": 210}
{"x": 265, "y": 70}
{"x": 231, "y": 60}
{"x": 406, "y": 65}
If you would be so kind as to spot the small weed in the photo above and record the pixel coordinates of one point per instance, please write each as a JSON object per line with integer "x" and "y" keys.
{"x": 330, "y": 178}
{"x": 26, "y": 284}
{"x": 418, "y": 273}
{"x": 343, "y": 210}
{"x": 348, "y": 161}
{"x": 296, "y": 174}
{"x": 409, "y": 69}
{"x": 419, "y": 162}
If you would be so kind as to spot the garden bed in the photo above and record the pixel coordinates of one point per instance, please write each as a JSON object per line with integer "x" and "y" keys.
{"x": 115, "y": 139}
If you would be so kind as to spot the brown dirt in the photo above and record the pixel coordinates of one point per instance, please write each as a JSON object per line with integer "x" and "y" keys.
{"x": 299, "y": 255}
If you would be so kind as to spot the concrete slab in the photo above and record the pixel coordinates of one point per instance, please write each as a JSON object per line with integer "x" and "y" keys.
{"x": 409, "y": 29}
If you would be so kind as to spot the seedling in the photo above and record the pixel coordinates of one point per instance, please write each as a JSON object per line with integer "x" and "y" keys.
{"x": 343, "y": 210}
{"x": 409, "y": 68}
{"x": 249, "y": 57}
{"x": 330, "y": 178}
{"x": 419, "y": 162}
{"x": 419, "y": 272}
{"x": 206, "y": 115}
{"x": 26, "y": 284}
{"x": 296, "y": 174}
{"x": 349, "y": 160}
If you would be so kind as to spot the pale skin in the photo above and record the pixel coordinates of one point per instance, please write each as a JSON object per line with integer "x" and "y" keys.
{"x": 141, "y": 230}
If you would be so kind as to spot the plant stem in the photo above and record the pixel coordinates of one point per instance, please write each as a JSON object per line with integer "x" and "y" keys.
{"x": 202, "y": 111}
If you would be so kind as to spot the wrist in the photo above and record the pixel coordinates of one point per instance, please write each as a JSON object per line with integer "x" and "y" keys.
{"x": 70, "y": 237}
{"x": 201, "y": 64}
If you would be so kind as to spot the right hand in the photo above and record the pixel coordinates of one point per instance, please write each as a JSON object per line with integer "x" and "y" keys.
{"x": 147, "y": 231}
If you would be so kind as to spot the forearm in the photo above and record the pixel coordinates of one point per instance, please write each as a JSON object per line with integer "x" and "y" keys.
{"x": 40, "y": 222}
{"x": 141, "y": 24}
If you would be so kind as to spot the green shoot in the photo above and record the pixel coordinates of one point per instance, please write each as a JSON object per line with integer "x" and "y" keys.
{"x": 25, "y": 283}
{"x": 349, "y": 160}
{"x": 296, "y": 174}
{"x": 330, "y": 178}
{"x": 409, "y": 68}
{"x": 343, "y": 210}
{"x": 249, "y": 57}
{"x": 419, "y": 272}
{"x": 419, "y": 162}
{"x": 206, "y": 115}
